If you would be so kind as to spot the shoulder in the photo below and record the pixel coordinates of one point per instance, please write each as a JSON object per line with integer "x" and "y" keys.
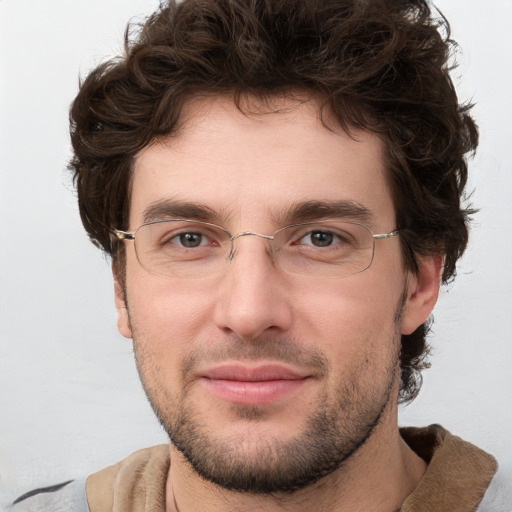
{"x": 498, "y": 496}
{"x": 459, "y": 475}
{"x": 137, "y": 483}
{"x": 68, "y": 496}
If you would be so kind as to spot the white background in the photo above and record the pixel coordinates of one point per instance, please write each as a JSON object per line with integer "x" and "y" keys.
{"x": 70, "y": 400}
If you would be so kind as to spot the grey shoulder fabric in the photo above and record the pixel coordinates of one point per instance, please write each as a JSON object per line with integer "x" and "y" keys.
{"x": 66, "y": 497}
{"x": 498, "y": 497}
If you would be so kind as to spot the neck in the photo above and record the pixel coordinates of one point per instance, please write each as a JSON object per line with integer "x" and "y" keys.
{"x": 377, "y": 478}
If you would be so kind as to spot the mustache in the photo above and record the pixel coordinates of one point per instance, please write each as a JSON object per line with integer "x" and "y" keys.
{"x": 274, "y": 348}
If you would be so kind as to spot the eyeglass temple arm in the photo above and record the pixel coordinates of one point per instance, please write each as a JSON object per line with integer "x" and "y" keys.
{"x": 387, "y": 235}
{"x": 124, "y": 235}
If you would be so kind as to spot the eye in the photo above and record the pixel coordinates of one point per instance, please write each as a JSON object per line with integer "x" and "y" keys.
{"x": 180, "y": 240}
{"x": 190, "y": 239}
{"x": 321, "y": 238}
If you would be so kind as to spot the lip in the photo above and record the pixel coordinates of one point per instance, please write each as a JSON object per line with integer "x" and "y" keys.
{"x": 252, "y": 385}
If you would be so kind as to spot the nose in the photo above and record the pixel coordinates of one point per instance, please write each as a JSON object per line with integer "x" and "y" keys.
{"x": 252, "y": 295}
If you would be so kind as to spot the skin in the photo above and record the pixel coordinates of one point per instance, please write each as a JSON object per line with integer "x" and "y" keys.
{"x": 247, "y": 169}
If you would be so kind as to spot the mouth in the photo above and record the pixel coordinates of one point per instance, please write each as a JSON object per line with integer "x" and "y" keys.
{"x": 253, "y": 385}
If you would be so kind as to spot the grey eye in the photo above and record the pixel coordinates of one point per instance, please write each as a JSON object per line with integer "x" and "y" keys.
{"x": 321, "y": 238}
{"x": 190, "y": 240}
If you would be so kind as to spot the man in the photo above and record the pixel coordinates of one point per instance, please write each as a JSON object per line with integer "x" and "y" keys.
{"x": 279, "y": 187}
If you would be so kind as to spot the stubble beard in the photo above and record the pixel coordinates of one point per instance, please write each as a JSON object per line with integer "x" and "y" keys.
{"x": 266, "y": 465}
{"x": 262, "y": 464}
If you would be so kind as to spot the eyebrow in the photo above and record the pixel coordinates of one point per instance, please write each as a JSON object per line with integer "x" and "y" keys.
{"x": 173, "y": 209}
{"x": 304, "y": 211}
{"x": 315, "y": 210}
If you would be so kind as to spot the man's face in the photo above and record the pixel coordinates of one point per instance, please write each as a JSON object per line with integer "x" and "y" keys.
{"x": 265, "y": 380}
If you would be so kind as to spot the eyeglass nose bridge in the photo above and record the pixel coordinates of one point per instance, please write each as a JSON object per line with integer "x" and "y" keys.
{"x": 231, "y": 254}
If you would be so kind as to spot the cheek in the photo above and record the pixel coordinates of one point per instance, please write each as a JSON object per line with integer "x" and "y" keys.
{"x": 351, "y": 321}
{"x": 167, "y": 317}
{"x": 166, "y": 324}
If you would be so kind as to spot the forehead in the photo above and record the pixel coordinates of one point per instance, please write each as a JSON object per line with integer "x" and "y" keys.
{"x": 250, "y": 165}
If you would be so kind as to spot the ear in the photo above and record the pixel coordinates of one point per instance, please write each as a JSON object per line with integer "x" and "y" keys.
{"x": 123, "y": 320}
{"x": 422, "y": 292}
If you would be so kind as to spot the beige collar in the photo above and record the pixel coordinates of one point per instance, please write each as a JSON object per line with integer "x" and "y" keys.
{"x": 458, "y": 472}
{"x": 456, "y": 478}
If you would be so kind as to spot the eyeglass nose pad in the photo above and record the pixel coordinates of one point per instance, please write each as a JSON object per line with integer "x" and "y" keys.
{"x": 233, "y": 250}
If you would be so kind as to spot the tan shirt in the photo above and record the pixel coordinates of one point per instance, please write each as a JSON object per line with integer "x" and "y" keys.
{"x": 456, "y": 479}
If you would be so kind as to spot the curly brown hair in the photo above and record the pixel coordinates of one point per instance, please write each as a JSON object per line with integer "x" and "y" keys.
{"x": 379, "y": 65}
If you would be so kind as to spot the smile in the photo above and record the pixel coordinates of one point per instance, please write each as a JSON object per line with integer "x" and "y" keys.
{"x": 243, "y": 385}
